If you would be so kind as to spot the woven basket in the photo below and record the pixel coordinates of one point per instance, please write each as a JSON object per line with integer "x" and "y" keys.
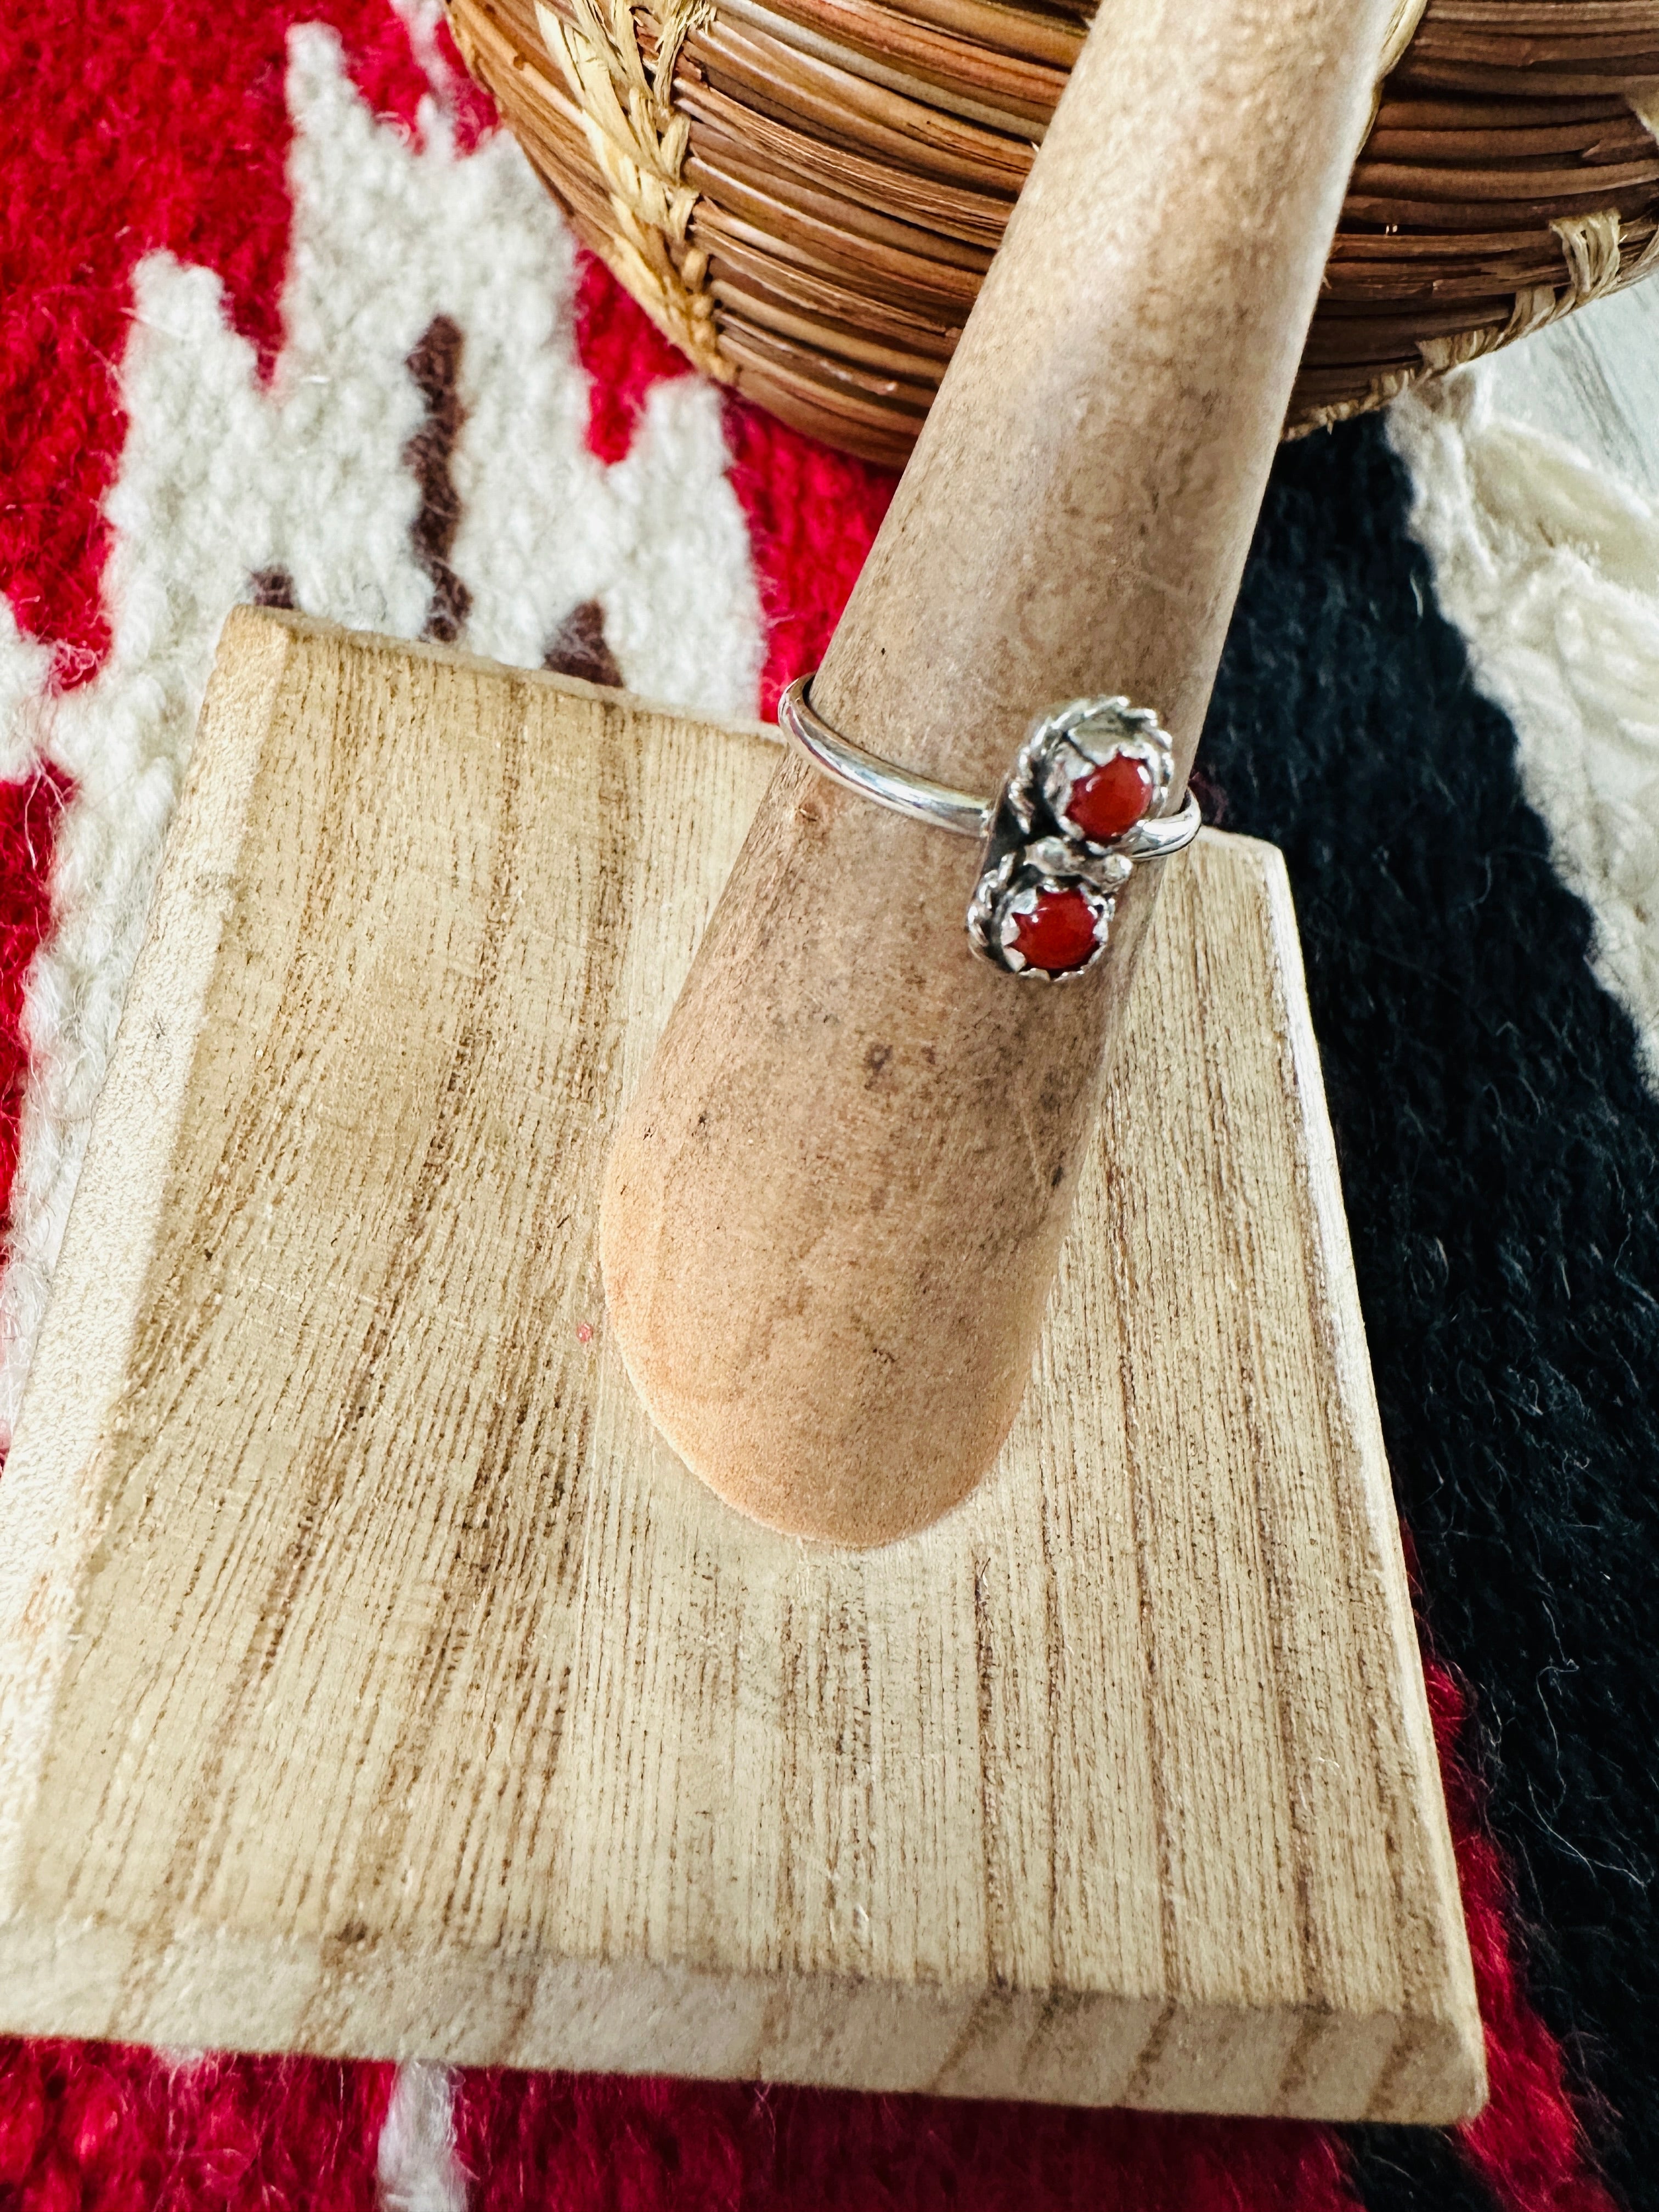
{"x": 806, "y": 193}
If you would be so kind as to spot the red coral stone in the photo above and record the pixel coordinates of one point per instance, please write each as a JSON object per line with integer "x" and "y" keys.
{"x": 1059, "y": 935}
{"x": 1110, "y": 799}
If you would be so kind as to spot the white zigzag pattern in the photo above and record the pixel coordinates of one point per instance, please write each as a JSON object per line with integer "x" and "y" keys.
{"x": 220, "y": 477}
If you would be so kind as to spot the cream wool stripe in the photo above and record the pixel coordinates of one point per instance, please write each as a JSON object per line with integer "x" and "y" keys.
{"x": 1550, "y": 567}
{"x": 220, "y": 477}
{"x": 415, "y": 2167}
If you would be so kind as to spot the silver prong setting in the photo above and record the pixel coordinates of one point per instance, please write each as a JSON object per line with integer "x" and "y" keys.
{"x": 1037, "y": 850}
{"x": 1038, "y": 844}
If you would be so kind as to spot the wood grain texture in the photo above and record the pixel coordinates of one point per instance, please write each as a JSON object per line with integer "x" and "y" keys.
{"x": 372, "y": 1679}
{"x": 1594, "y": 380}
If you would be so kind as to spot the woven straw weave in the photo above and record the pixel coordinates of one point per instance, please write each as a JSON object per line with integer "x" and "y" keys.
{"x": 806, "y": 193}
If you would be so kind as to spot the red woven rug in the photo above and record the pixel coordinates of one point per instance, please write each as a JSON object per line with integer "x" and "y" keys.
{"x": 285, "y": 318}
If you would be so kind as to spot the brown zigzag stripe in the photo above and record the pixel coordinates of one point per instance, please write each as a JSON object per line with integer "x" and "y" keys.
{"x": 435, "y": 365}
{"x": 272, "y": 587}
{"x": 579, "y": 647}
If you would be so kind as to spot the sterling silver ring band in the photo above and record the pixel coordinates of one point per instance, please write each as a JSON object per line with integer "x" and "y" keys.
{"x": 1086, "y": 800}
{"x": 938, "y": 805}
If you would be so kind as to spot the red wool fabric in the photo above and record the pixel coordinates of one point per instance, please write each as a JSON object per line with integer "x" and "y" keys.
{"x": 88, "y": 2128}
{"x": 626, "y": 355}
{"x": 1528, "y": 2145}
{"x": 164, "y": 125}
{"x": 812, "y": 515}
{"x": 532, "y": 2141}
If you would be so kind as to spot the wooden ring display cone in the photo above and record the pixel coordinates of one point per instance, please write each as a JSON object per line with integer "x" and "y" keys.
{"x": 834, "y": 1212}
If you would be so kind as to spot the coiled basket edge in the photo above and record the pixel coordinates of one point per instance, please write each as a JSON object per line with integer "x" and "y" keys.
{"x": 805, "y": 194}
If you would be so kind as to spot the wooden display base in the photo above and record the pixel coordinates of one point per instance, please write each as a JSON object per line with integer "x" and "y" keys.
{"x": 373, "y": 1680}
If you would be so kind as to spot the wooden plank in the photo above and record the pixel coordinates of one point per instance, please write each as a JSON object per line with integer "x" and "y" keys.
{"x": 373, "y": 1680}
{"x": 1594, "y": 379}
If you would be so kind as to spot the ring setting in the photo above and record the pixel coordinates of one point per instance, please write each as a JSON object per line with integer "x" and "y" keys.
{"x": 1086, "y": 800}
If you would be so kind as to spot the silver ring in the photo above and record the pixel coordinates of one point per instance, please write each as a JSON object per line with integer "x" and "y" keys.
{"x": 1085, "y": 799}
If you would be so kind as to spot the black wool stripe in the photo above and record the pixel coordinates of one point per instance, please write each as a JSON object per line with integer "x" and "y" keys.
{"x": 1415, "y": 2170}
{"x": 1500, "y": 1158}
